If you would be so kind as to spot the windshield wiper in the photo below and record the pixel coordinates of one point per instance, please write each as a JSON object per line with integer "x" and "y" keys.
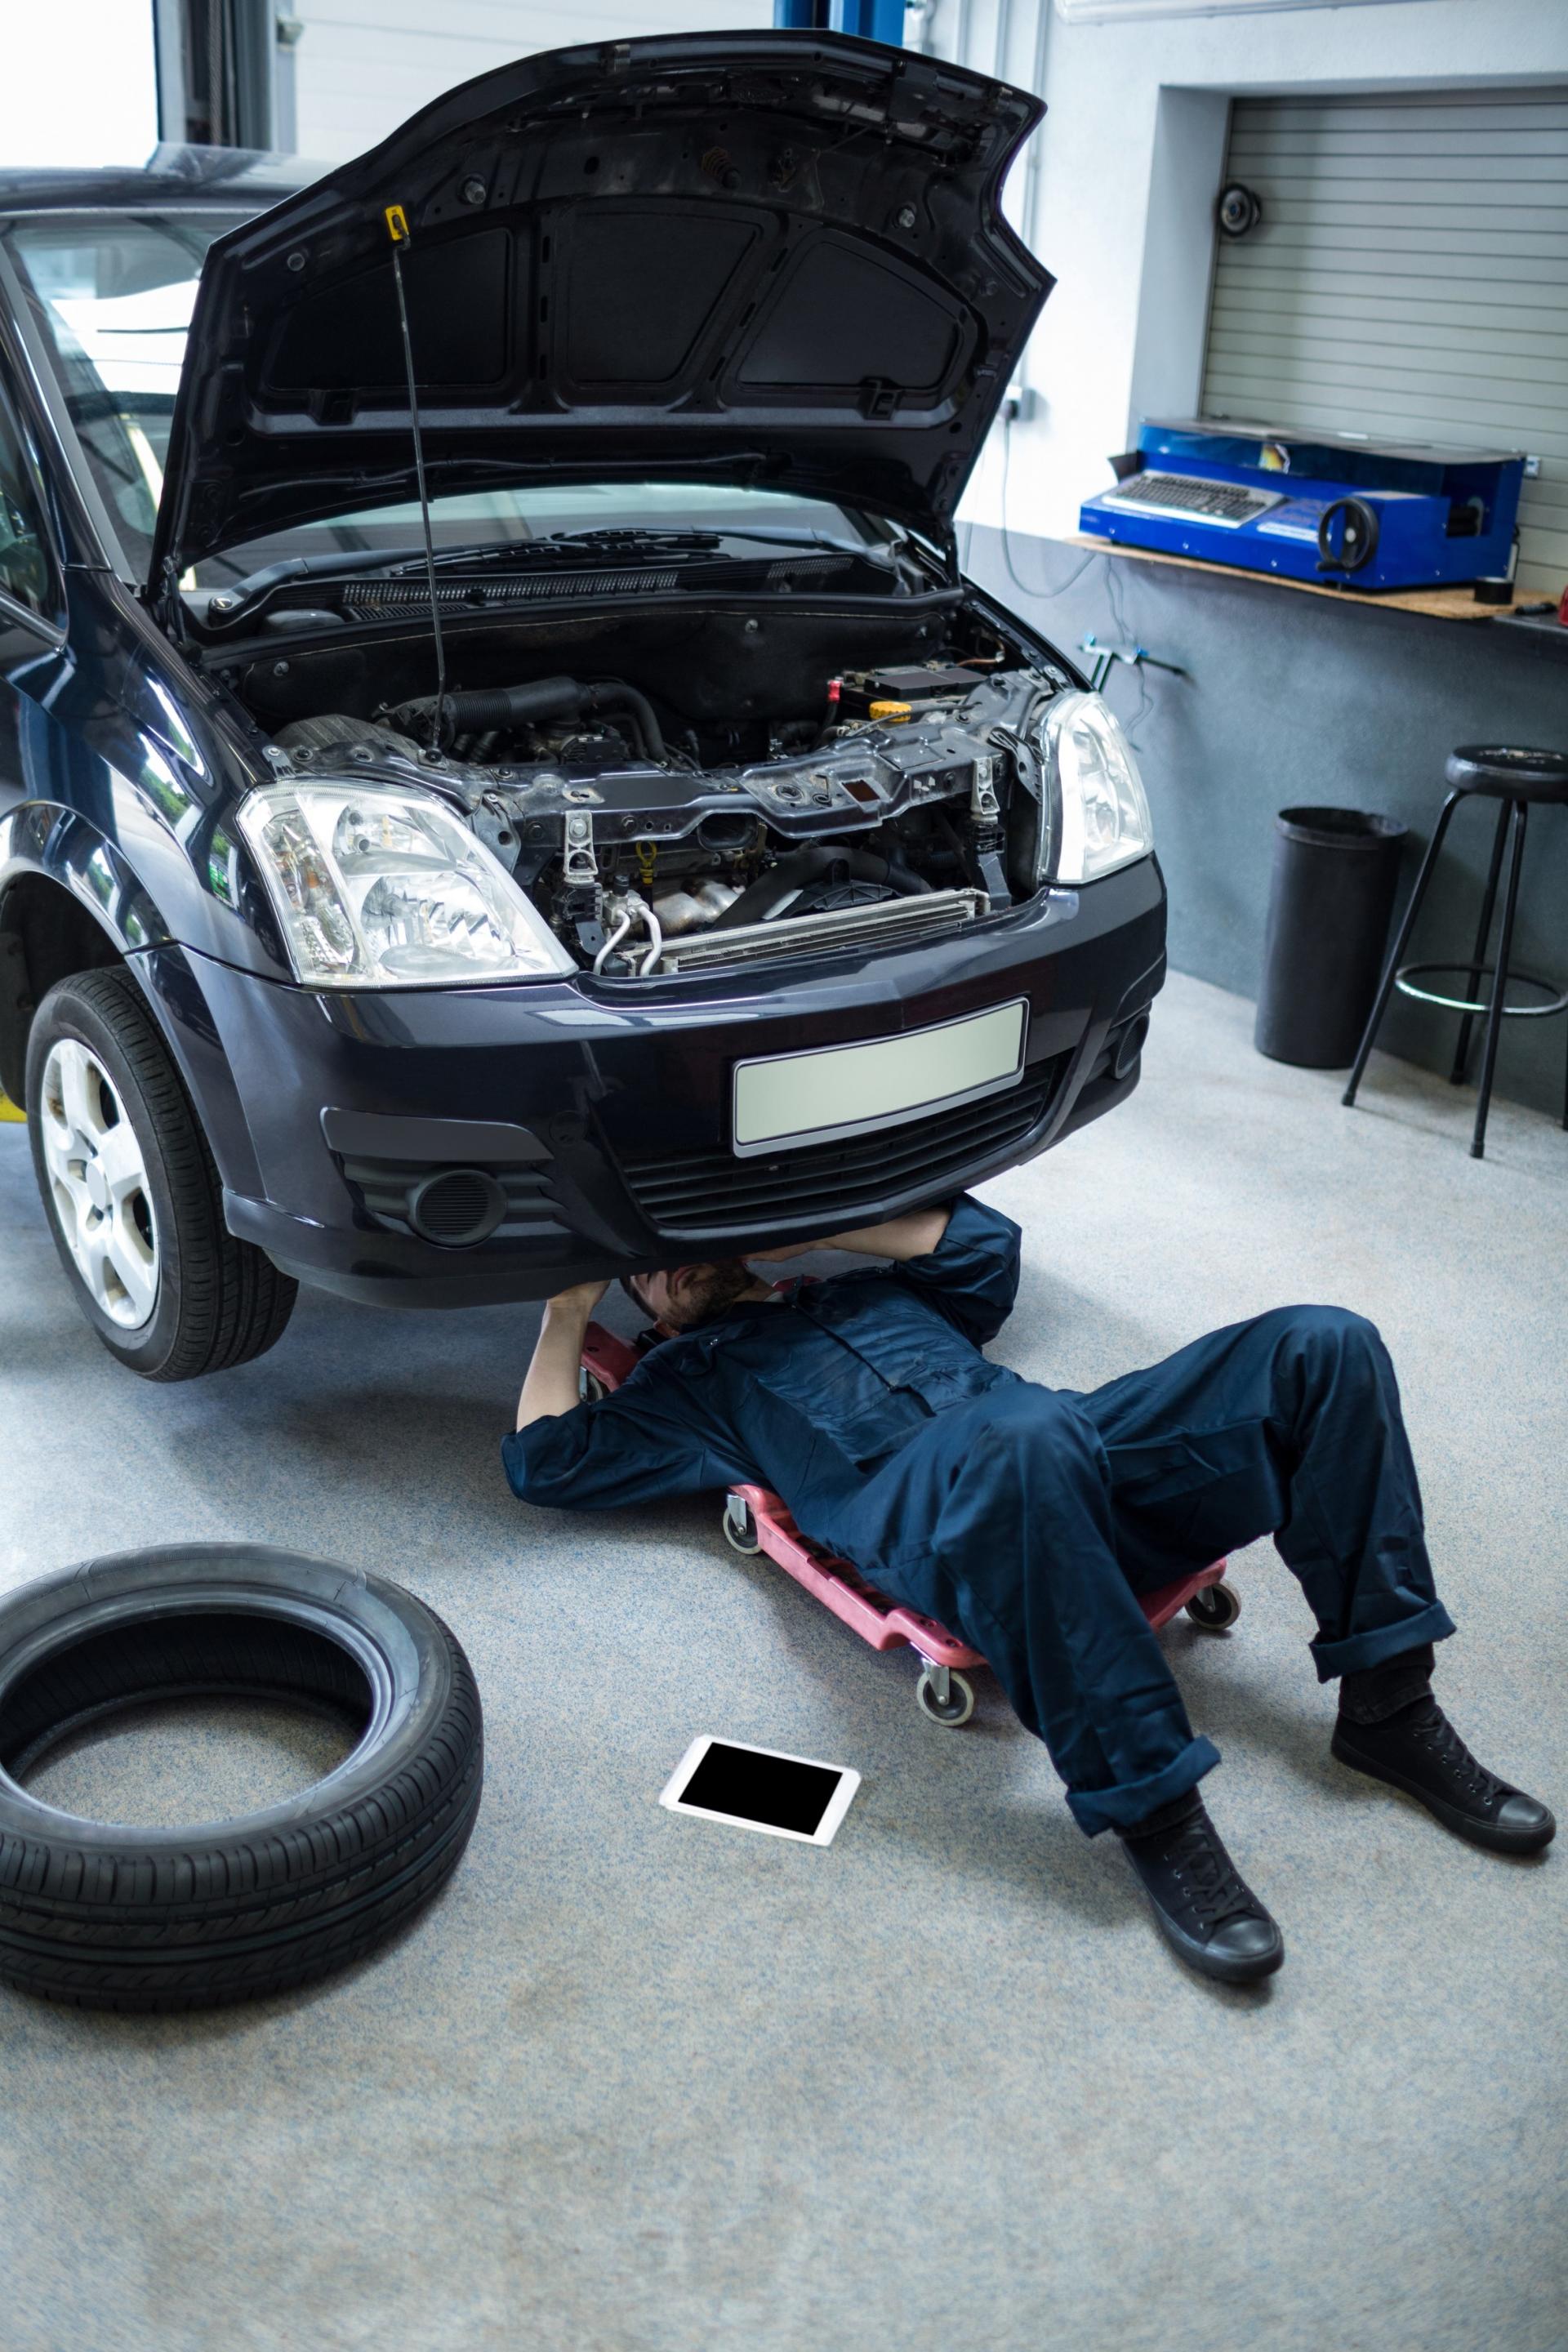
{"x": 640, "y": 535}
{"x": 229, "y": 602}
{"x": 647, "y": 549}
{"x": 577, "y": 550}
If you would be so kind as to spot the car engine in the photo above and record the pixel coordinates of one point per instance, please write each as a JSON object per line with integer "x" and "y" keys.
{"x": 914, "y": 803}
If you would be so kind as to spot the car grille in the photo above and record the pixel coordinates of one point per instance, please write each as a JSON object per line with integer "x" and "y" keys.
{"x": 712, "y": 1192}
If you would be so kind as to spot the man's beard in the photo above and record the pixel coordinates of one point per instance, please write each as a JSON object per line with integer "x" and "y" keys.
{"x": 717, "y": 1287}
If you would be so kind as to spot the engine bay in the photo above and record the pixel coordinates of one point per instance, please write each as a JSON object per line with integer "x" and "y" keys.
{"x": 705, "y": 808}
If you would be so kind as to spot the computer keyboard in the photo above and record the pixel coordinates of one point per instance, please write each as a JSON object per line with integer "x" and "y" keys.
{"x": 1190, "y": 496}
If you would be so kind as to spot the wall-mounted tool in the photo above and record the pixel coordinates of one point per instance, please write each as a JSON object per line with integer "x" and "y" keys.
{"x": 1333, "y": 506}
{"x": 1105, "y": 656}
{"x": 1238, "y": 210}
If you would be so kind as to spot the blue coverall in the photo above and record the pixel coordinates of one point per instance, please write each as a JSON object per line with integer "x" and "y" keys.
{"x": 1027, "y": 1520}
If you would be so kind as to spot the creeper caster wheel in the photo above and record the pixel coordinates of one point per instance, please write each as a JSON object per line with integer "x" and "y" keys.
{"x": 945, "y": 1695}
{"x": 1216, "y": 1609}
{"x": 740, "y": 1527}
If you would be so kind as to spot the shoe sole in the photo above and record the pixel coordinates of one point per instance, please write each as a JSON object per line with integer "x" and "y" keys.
{"x": 1486, "y": 1835}
{"x": 1216, "y": 1964}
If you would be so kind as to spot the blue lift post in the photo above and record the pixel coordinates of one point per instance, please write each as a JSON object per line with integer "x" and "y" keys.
{"x": 874, "y": 20}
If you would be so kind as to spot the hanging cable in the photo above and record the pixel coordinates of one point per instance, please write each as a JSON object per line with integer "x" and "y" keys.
{"x": 398, "y": 230}
{"x": 1113, "y": 586}
{"x": 1042, "y": 594}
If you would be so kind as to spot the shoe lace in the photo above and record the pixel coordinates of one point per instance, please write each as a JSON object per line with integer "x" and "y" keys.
{"x": 1449, "y": 1751}
{"x": 1209, "y": 1878}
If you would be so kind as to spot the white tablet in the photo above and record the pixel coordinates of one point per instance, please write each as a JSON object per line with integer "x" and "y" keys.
{"x": 761, "y": 1789}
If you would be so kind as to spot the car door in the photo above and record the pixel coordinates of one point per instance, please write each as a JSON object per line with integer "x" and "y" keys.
{"x": 32, "y": 615}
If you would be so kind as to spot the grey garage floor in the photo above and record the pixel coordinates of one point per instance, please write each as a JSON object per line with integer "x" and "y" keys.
{"x": 641, "y": 2083}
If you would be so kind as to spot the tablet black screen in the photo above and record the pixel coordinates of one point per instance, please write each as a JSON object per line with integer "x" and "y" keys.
{"x": 774, "y": 1790}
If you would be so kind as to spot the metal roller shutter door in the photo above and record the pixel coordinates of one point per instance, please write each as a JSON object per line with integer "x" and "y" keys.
{"x": 1409, "y": 278}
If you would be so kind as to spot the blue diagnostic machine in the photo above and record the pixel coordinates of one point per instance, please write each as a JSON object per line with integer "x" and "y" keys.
{"x": 1326, "y": 507}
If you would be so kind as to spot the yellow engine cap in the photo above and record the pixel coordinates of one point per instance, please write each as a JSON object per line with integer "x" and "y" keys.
{"x": 895, "y": 713}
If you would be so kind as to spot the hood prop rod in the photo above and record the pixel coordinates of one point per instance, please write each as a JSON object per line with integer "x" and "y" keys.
{"x": 398, "y": 230}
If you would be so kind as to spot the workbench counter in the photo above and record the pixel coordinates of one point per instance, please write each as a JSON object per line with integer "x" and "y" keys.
{"x": 1432, "y": 603}
{"x": 1289, "y": 694}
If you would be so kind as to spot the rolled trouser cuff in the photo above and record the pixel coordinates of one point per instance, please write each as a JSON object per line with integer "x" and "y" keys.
{"x": 1358, "y": 1651}
{"x": 1120, "y": 1807}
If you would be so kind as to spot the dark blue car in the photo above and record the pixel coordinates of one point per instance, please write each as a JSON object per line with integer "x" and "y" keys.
{"x": 501, "y": 776}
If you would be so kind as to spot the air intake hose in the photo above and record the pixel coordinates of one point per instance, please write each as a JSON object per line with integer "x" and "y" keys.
{"x": 772, "y": 893}
{"x": 489, "y": 708}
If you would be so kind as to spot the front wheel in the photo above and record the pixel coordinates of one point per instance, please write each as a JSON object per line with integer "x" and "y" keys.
{"x": 132, "y": 1193}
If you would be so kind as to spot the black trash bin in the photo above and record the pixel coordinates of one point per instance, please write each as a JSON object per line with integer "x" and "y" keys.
{"x": 1330, "y": 898}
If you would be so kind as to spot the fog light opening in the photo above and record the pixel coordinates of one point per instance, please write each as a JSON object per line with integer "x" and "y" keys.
{"x": 456, "y": 1207}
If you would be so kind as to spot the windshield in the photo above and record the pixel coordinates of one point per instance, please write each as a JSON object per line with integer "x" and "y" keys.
{"x": 112, "y": 299}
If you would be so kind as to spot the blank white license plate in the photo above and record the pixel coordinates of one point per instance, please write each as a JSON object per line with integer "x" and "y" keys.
{"x": 798, "y": 1098}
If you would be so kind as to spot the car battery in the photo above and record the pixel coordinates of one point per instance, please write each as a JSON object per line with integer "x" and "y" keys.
{"x": 906, "y": 692}
{"x": 1337, "y": 509}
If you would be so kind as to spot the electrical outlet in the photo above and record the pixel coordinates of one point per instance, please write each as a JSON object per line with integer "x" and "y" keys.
{"x": 1533, "y": 469}
{"x": 1022, "y": 405}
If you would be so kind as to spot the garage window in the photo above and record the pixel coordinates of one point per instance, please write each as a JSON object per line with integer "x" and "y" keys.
{"x": 1408, "y": 280}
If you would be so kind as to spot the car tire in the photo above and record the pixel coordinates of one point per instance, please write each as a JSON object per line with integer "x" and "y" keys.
{"x": 115, "y": 1917}
{"x": 216, "y": 1302}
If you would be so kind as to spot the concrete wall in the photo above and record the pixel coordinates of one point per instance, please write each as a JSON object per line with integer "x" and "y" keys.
{"x": 1288, "y": 698}
{"x": 1125, "y": 182}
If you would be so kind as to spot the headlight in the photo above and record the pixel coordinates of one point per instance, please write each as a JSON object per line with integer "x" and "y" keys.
{"x": 383, "y": 888}
{"x": 1093, "y": 776}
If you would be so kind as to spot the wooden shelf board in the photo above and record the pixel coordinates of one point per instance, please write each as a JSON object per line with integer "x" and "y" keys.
{"x": 1437, "y": 604}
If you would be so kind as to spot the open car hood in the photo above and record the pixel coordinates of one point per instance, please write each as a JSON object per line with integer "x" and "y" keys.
{"x": 766, "y": 258}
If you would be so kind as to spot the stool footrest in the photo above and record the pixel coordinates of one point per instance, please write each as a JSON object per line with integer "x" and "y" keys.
{"x": 1557, "y": 999}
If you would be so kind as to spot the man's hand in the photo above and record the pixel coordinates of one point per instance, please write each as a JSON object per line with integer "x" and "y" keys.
{"x": 915, "y": 1235}
{"x": 552, "y": 1386}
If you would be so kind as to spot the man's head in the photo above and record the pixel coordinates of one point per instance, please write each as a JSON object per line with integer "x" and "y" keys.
{"x": 680, "y": 1296}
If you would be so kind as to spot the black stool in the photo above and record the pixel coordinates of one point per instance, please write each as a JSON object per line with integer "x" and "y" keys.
{"x": 1514, "y": 778}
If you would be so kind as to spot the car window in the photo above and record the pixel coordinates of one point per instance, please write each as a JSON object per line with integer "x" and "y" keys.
{"x": 27, "y": 574}
{"x": 113, "y": 296}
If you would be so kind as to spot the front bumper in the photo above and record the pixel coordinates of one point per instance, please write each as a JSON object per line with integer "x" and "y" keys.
{"x": 603, "y": 1107}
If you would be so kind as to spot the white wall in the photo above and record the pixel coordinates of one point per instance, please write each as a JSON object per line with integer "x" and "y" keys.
{"x": 362, "y": 67}
{"x": 1122, "y": 335}
{"x": 81, "y": 83}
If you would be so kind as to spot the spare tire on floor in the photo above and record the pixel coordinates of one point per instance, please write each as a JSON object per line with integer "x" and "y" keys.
{"x": 182, "y": 1918}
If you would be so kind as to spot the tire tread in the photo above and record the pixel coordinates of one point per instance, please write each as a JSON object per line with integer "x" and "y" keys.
{"x": 226, "y": 1917}
{"x": 235, "y": 1304}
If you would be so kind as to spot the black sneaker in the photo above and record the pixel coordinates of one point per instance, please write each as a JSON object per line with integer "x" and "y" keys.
{"x": 1202, "y": 1904}
{"x": 1419, "y": 1750}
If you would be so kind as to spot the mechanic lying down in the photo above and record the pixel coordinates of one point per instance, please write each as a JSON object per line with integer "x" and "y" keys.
{"x": 1028, "y": 1519}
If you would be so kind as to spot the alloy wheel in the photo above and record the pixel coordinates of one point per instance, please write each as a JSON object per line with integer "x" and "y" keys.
{"x": 98, "y": 1176}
